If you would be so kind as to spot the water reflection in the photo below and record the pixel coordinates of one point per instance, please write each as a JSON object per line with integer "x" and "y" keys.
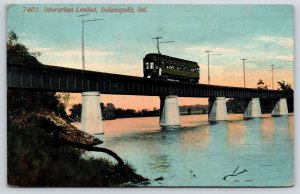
{"x": 291, "y": 127}
{"x": 217, "y": 136}
{"x": 253, "y": 133}
{"x": 236, "y": 134}
{"x": 160, "y": 163}
{"x": 201, "y": 154}
{"x": 194, "y": 138}
{"x": 283, "y": 131}
{"x": 268, "y": 129}
{"x": 281, "y": 122}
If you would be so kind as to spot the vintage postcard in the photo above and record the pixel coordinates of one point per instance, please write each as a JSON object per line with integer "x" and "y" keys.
{"x": 140, "y": 95}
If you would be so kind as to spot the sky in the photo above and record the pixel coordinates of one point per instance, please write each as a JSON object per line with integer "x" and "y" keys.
{"x": 262, "y": 34}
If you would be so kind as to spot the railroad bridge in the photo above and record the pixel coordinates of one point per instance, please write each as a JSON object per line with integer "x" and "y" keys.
{"x": 91, "y": 84}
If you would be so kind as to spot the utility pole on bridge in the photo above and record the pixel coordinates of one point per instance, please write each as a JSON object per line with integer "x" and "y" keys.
{"x": 272, "y": 74}
{"x": 244, "y": 70}
{"x": 82, "y": 36}
{"x": 208, "y": 73}
{"x": 91, "y": 117}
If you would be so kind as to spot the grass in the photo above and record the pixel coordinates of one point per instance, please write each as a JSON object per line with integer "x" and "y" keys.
{"x": 37, "y": 159}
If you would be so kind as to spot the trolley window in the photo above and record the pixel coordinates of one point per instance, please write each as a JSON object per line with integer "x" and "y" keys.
{"x": 147, "y": 65}
{"x": 151, "y": 65}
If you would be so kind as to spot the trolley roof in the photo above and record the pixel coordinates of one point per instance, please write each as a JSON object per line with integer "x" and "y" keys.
{"x": 169, "y": 58}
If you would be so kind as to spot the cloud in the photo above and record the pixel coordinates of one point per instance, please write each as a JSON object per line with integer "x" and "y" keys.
{"x": 283, "y": 57}
{"x": 70, "y": 57}
{"x": 124, "y": 69}
{"x": 286, "y": 42}
{"x": 41, "y": 49}
{"x": 72, "y": 52}
{"x": 221, "y": 50}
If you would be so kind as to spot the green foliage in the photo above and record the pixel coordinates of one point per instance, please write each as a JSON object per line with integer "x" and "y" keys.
{"x": 64, "y": 97}
{"x": 189, "y": 110}
{"x": 235, "y": 105}
{"x": 193, "y": 109}
{"x": 109, "y": 111}
{"x": 12, "y": 38}
{"x": 261, "y": 85}
{"x": 76, "y": 112}
{"x": 35, "y": 157}
{"x": 284, "y": 86}
{"x": 239, "y": 105}
{"x": 24, "y": 101}
{"x": 18, "y": 54}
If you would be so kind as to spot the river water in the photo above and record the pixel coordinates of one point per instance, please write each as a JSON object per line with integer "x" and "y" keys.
{"x": 202, "y": 154}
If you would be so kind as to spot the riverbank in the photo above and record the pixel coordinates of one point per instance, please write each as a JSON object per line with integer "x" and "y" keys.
{"x": 38, "y": 155}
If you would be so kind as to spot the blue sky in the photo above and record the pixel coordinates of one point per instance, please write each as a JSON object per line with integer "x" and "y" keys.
{"x": 263, "y": 33}
{"x": 260, "y": 33}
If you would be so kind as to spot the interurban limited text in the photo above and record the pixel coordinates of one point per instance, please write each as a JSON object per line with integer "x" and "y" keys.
{"x": 118, "y": 10}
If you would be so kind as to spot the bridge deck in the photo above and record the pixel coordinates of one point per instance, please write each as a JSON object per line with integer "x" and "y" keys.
{"x": 60, "y": 79}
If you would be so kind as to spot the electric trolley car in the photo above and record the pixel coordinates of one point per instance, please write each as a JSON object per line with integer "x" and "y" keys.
{"x": 171, "y": 68}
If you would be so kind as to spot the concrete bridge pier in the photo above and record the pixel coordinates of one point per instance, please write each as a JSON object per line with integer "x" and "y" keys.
{"x": 280, "y": 108}
{"x": 217, "y": 110}
{"x": 169, "y": 111}
{"x": 91, "y": 117}
{"x": 253, "y": 109}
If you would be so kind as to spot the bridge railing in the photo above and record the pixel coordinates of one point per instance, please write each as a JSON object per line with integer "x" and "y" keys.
{"x": 60, "y": 79}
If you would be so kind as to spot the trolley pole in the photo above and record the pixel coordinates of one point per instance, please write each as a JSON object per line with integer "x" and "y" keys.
{"x": 158, "y": 42}
{"x": 82, "y": 36}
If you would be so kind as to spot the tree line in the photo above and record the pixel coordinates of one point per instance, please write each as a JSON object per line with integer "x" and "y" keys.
{"x": 36, "y": 154}
{"x": 236, "y": 105}
{"x": 110, "y": 111}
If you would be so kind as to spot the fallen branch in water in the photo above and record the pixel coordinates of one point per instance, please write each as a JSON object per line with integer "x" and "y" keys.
{"x": 235, "y": 173}
{"x": 96, "y": 149}
{"x": 67, "y": 134}
{"x": 70, "y": 135}
{"x": 121, "y": 163}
